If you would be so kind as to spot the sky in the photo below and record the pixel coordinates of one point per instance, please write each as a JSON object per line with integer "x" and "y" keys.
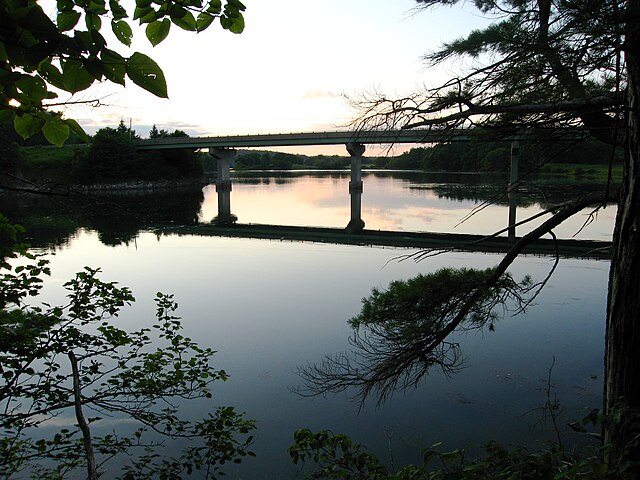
{"x": 289, "y": 71}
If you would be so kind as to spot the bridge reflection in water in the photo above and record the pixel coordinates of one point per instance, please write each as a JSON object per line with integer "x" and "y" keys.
{"x": 568, "y": 248}
{"x": 224, "y": 224}
{"x": 222, "y": 149}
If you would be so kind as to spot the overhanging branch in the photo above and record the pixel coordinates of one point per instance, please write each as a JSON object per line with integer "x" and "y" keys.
{"x": 382, "y": 363}
{"x": 578, "y": 106}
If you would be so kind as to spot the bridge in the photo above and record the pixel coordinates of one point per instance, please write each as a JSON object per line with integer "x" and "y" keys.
{"x": 222, "y": 148}
{"x": 379, "y": 137}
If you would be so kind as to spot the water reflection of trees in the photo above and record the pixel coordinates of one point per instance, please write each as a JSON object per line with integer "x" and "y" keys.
{"x": 117, "y": 217}
{"x": 403, "y": 332}
{"x": 527, "y": 194}
{"x": 477, "y": 188}
{"x": 284, "y": 176}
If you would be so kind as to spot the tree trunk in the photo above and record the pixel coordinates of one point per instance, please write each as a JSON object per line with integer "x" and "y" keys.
{"x": 92, "y": 472}
{"x": 622, "y": 342}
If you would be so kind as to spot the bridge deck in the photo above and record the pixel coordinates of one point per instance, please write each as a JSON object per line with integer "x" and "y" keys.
{"x": 310, "y": 138}
{"x": 386, "y": 137}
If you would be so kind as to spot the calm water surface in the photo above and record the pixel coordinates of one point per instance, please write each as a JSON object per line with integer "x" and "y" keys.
{"x": 269, "y": 307}
{"x": 403, "y": 201}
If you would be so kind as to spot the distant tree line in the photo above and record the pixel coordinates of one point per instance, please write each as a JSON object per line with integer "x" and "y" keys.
{"x": 481, "y": 156}
{"x": 476, "y": 155}
{"x": 263, "y": 160}
{"x": 111, "y": 156}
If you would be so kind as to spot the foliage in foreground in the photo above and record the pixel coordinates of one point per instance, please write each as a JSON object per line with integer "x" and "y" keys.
{"x": 336, "y": 456}
{"x": 59, "y": 362}
{"x": 40, "y": 55}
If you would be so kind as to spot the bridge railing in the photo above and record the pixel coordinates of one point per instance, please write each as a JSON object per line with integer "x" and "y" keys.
{"x": 384, "y": 137}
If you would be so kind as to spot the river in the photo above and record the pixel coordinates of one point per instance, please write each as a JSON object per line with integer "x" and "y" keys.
{"x": 269, "y": 307}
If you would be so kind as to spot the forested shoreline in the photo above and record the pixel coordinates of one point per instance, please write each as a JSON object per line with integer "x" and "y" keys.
{"x": 111, "y": 160}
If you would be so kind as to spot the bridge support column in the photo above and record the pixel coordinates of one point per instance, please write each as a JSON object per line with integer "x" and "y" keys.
{"x": 223, "y": 158}
{"x": 356, "y": 224}
{"x": 513, "y": 188}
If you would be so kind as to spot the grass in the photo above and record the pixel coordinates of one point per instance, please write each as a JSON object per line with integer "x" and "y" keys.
{"x": 46, "y": 155}
{"x": 582, "y": 170}
{"x": 50, "y": 162}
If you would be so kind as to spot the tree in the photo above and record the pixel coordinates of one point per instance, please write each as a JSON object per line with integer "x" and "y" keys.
{"x": 172, "y": 164}
{"x": 40, "y": 56}
{"x": 72, "y": 356}
{"x": 72, "y": 359}
{"x": 154, "y": 133}
{"x": 558, "y": 64}
{"x": 111, "y": 156}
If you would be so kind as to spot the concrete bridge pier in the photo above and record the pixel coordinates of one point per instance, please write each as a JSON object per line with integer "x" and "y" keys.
{"x": 223, "y": 158}
{"x": 356, "y": 151}
{"x": 513, "y": 188}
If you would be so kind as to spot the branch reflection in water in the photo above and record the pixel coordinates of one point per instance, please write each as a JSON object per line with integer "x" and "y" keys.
{"x": 401, "y": 332}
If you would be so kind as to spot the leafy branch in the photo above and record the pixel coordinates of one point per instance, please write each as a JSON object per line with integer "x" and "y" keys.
{"x": 146, "y": 375}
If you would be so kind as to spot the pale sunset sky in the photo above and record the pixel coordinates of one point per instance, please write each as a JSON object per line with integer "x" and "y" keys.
{"x": 287, "y": 72}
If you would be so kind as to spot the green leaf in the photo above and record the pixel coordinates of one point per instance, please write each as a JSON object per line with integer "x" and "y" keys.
{"x": 98, "y": 7}
{"x": 117, "y": 10}
{"x": 67, "y": 20}
{"x": 234, "y": 24}
{"x": 91, "y": 41}
{"x": 177, "y": 11}
{"x": 215, "y": 6}
{"x": 39, "y": 23}
{"x": 95, "y": 68}
{"x": 236, "y": 5}
{"x": 27, "y": 124}
{"x": 75, "y": 76}
{"x": 55, "y": 130}
{"x": 77, "y": 129}
{"x": 114, "y": 66}
{"x": 98, "y": 40}
{"x": 123, "y": 32}
{"x": 52, "y": 74}
{"x": 186, "y": 21}
{"x": 145, "y": 14}
{"x": 33, "y": 87}
{"x": 158, "y": 31}
{"x": 93, "y": 21}
{"x": 146, "y": 73}
{"x": 7, "y": 115}
{"x": 64, "y": 5}
{"x": 204, "y": 20}
{"x": 8, "y": 77}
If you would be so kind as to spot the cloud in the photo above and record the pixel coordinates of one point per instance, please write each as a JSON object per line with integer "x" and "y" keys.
{"x": 318, "y": 94}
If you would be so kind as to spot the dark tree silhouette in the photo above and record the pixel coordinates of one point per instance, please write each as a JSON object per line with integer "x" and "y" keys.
{"x": 546, "y": 63}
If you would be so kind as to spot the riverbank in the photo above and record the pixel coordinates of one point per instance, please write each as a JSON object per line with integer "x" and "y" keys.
{"x": 567, "y": 170}
{"x": 43, "y": 164}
